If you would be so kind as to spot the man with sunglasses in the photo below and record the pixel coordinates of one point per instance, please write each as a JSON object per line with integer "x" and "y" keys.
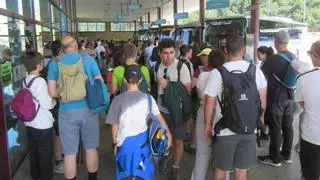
{"x": 74, "y": 115}
{"x": 280, "y": 105}
{"x": 168, "y": 71}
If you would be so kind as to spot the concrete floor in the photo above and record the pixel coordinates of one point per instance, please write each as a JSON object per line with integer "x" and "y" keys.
{"x": 107, "y": 165}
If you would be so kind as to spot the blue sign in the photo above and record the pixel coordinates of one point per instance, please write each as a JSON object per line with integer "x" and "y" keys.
{"x": 217, "y": 4}
{"x": 134, "y": 7}
{"x": 160, "y": 21}
{"x": 183, "y": 15}
{"x": 146, "y": 26}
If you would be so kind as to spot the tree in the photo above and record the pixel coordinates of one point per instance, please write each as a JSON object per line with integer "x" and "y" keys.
{"x": 281, "y": 8}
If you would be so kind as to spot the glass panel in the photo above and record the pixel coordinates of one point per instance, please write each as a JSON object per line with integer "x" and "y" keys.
{"x": 56, "y": 34}
{"x": 92, "y": 27}
{"x": 101, "y": 27}
{"x": 11, "y": 43}
{"x": 64, "y": 25}
{"x": 55, "y": 17}
{"x": 68, "y": 8}
{"x": 57, "y": 2}
{"x": 12, "y": 5}
{"x": 37, "y": 10}
{"x": 69, "y": 25}
{"x": 26, "y": 6}
{"x": 71, "y": 9}
{"x": 3, "y": 26}
{"x": 3, "y": 4}
{"x": 83, "y": 27}
{"x": 63, "y": 5}
{"x": 45, "y": 16}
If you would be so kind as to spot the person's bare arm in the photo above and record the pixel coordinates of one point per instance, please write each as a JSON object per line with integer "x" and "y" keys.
{"x": 114, "y": 131}
{"x": 209, "y": 105}
{"x": 194, "y": 82}
{"x": 114, "y": 88}
{"x": 52, "y": 88}
{"x": 188, "y": 87}
{"x": 165, "y": 126}
{"x": 263, "y": 98}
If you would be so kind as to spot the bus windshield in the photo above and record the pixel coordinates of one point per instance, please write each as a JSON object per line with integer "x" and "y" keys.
{"x": 218, "y": 30}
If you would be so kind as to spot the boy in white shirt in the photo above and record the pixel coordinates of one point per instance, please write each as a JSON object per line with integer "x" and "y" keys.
{"x": 39, "y": 130}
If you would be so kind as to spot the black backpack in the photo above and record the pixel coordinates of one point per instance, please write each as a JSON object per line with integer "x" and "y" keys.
{"x": 143, "y": 85}
{"x": 240, "y": 101}
{"x": 187, "y": 63}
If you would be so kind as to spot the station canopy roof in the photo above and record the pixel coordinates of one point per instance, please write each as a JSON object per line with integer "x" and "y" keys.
{"x": 110, "y": 10}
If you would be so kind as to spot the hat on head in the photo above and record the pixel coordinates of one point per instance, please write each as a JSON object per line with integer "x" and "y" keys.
{"x": 132, "y": 71}
{"x": 205, "y": 52}
{"x": 282, "y": 36}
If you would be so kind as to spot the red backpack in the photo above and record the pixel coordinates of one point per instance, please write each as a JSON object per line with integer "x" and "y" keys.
{"x": 23, "y": 105}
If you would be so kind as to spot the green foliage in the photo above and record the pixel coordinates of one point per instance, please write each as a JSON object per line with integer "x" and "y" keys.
{"x": 282, "y": 8}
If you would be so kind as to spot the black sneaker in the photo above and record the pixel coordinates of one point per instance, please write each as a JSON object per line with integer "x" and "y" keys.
{"x": 269, "y": 161}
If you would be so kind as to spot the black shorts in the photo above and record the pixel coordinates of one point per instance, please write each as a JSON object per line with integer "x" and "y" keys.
{"x": 178, "y": 132}
{"x": 310, "y": 160}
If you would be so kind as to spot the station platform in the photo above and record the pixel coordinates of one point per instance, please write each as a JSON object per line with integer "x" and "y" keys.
{"x": 107, "y": 163}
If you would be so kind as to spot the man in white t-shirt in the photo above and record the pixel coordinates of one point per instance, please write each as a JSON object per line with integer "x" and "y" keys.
{"x": 231, "y": 150}
{"x": 167, "y": 72}
{"x": 307, "y": 94}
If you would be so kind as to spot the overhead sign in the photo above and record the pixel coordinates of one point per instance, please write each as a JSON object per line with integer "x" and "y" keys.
{"x": 217, "y": 4}
{"x": 134, "y": 7}
{"x": 145, "y": 26}
{"x": 160, "y": 21}
{"x": 183, "y": 15}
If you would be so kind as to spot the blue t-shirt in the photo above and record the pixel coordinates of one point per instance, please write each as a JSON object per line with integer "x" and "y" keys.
{"x": 70, "y": 59}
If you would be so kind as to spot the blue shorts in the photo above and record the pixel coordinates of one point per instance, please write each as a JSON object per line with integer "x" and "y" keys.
{"x": 76, "y": 123}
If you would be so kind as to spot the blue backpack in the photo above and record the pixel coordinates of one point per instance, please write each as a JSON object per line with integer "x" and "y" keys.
{"x": 158, "y": 138}
{"x": 291, "y": 75}
{"x": 97, "y": 95}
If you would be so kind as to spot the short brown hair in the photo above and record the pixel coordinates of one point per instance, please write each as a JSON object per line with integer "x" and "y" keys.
{"x": 31, "y": 59}
{"x": 167, "y": 43}
{"x": 217, "y": 58}
{"x": 129, "y": 50}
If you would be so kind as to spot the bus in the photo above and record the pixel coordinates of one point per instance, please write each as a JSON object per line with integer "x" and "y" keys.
{"x": 190, "y": 33}
{"x": 163, "y": 32}
{"x": 217, "y": 30}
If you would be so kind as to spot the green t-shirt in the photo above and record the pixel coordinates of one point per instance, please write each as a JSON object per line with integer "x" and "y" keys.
{"x": 118, "y": 75}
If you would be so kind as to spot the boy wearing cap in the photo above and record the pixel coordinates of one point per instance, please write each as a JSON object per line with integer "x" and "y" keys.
{"x": 280, "y": 105}
{"x": 128, "y": 115}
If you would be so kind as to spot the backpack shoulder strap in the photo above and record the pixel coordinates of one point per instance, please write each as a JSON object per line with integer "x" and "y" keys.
{"x": 285, "y": 56}
{"x": 155, "y": 69}
{"x": 223, "y": 72}
{"x": 31, "y": 81}
{"x": 179, "y": 66}
{"x": 149, "y": 103}
{"x": 252, "y": 70}
{"x": 307, "y": 72}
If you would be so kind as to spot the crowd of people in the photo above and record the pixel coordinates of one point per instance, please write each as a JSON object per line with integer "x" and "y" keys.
{"x": 209, "y": 102}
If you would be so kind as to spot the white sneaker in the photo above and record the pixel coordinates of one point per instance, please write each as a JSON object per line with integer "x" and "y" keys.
{"x": 59, "y": 168}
